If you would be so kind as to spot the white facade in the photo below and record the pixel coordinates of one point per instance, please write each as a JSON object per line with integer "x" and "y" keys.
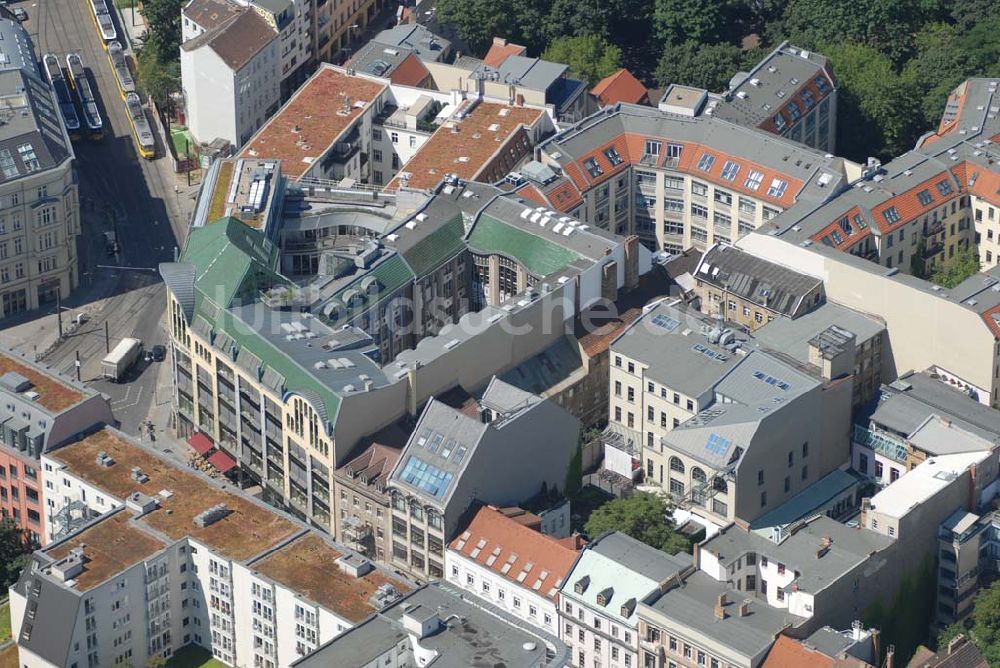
{"x": 531, "y": 606}
{"x": 594, "y": 638}
{"x": 227, "y": 103}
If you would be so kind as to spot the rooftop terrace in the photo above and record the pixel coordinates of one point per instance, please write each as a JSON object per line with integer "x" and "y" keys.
{"x": 308, "y": 566}
{"x": 247, "y": 530}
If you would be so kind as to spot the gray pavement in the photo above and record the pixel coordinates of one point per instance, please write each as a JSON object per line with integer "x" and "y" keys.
{"x": 143, "y": 201}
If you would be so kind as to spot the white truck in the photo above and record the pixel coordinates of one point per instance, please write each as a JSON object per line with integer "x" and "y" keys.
{"x": 121, "y": 358}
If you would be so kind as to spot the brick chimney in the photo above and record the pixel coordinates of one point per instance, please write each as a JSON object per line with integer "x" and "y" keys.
{"x": 744, "y": 608}
{"x": 631, "y": 262}
{"x": 720, "y": 612}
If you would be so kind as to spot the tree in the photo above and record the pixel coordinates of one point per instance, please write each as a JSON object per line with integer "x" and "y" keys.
{"x": 157, "y": 78}
{"x": 986, "y": 628}
{"x": 589, "y": 57}
{"x": 164, "y": 36}
{"x": 477, "y": 22}
{"x": 643, "y": 517}
{"x": 628, "y": 24}
{"x": 964, "y": 264}
{"x": 708, "y": 66}
{"x": 15, "y": 551}
{"x": 877, "y": 106}
{"x": 700, "y": 21}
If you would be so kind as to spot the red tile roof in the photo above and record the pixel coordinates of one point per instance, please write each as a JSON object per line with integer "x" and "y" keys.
{"x": 789, "y": 653}
{"x": 501, "y": 50}
{"x": 991, "y": 317}
{"x": 511, "y": 549}
{"x": 530, "y": 192}
{"x": 597, "y": 341}
{"x": 466, "y": 147}
{"x": 565, "y": 197}
{"x": 908, "y": 204}
{"x": 621, "y": 86}
{"x": 410, "y": 72}
{"x": 308, "y": 125}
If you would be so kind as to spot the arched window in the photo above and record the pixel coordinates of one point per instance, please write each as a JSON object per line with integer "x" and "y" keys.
{"x": 697, "y": 475}
{"x": 676, "y": 464}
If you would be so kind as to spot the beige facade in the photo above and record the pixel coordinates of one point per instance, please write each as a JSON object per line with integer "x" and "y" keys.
{"x": 39, "y": 224}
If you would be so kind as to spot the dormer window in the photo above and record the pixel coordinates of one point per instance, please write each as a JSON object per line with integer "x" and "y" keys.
{"x": 604, "y": 597}
{"x": 582, "y": 584}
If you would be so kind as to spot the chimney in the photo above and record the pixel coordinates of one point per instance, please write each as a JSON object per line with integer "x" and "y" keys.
{"x": 722, "y": 600}
{"x": 890, "y": 654}
{"x": 720, "y": 612}
{"x": 955, "y": 643}
{"x": 744, "y": 608}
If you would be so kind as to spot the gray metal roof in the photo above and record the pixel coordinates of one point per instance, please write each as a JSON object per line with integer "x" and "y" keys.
{"x": 471, "y": 636}
{"x": 757, "y": 281}
{"x": 502, "y": 397}
{"x": 55, "y": 615}
{"x": 792, "y": 337}
{"x": 416, "y": 38}
{"x": 32, "y": 135}
{"x": 529, "y": 73}
{"x": 848, "y": 548}
{"x": 691, "y": 605}
{"x": 938, "y": 436}
{"x": 911, "y": 400}
{"x": 808, "y": 501}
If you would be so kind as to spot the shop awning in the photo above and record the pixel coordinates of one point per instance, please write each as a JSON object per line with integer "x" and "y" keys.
{"x": 221, "y": 461}
{"x": 201, "y": 443}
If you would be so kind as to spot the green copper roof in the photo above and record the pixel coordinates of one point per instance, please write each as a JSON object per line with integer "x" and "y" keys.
{"x": 437, "y": 247}
{"x": 231, "y": 261}
{"x": 391, "y": 274}
{"x": 538, "y": 255}
{"x": 296, "y": 377}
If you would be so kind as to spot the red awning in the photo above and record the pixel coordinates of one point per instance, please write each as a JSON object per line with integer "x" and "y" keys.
{"x": 200, "y": 442}
{"x": 223, "y": 462}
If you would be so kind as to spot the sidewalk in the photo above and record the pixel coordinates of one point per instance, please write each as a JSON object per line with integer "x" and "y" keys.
{"x": 134, "y": 25}
{"x": 36, "y": 337}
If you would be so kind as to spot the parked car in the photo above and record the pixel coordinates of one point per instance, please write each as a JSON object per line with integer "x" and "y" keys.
{"x": 20, "y": 14}
{"x": 159, "y": 353}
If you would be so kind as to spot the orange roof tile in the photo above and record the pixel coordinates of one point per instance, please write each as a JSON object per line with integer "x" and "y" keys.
{"x": 789, "y": 653}
{"x": 510, "y": 549}
{"x": 847, "y": 241}
{"x": 530, "y": 192}
{"x": 565, "y": 197}
{"x": 986, "y": 183}
{"x": 908, "y": 204}
{"x": 500, "y": 51}
{"x": 992, "y": 320}
{"x": 597, "y": 341}
{"x": 410, "y": 72}
{"x": 466, "y": 147}
{"x": 309, "y": 123}
{"x": 621, "y": 86}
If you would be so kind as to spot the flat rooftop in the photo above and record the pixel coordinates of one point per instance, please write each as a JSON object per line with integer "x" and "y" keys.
{"x": 308, "y": 566}
{"x": 923, "y": 482}
{"x": 54, "y": 395}
{"x": 464, "y": 147}
{"x": 109, "y": 547}
{"x": 312, "y": 120}
{"x": 247, "y": 530}
{"x": 245, "y": 195}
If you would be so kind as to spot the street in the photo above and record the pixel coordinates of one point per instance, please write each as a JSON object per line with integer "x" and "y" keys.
{"x": 120, "y": 192}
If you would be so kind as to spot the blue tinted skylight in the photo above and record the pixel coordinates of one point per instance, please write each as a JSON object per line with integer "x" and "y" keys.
{"x": 717, "y": 445}
{"x": 427, "y": 478}
{"x": 771, "y": 380}
{"x": 666, "y": 322}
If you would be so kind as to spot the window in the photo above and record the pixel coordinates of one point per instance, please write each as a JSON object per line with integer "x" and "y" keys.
{"x": 777, "y": 188}
{"x": 706, "y": 161}
{"x": 925, "y": 197}
{"x": 611, "y": 153}
{"x": 394, "y": 137}
{"x": 730, "y": 170}
{"x": 676, "y": 465}
{"x": 760, "y": 477}
{"x": 944, "y": 187}
{"x": 754, "y": 179}
{"x": 653, "y": 147}
{"x": 763, "y": 499}
{"x": 699, "y": 189}
{"x": 891, "y": 215}
{"x": 593, "y": 168}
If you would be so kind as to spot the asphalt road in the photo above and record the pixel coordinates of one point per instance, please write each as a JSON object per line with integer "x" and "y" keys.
{"x": 118, "y": 191}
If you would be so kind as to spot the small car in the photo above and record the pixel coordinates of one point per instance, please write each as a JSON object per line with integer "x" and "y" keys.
{"x": 159, "y": 353}
{"x": 20, "y": 14}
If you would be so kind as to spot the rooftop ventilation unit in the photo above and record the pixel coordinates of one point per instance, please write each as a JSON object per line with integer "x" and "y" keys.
{"x": 211, "y": 516}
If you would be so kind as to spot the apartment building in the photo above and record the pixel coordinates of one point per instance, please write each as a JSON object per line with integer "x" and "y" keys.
{"x": 600, "y": 597}
{"x": 736, "y": 287}
{"x": 727, "y": 431}
{"x": 747, "y": 590}
{"x": 231, "y": 76}
{"x": 337, "y": 25}
{"x": 512, "y": 566}
{"x": 159, "y": 558}
{"x": 39, "y": 203}
{"x": 917, "y": 417}
{"x": 679, "y": 176}
{"x": 452, "y": 460}
{"x": 791, "y": 92}
{"x": 436, "y": 624}
{"x": 41, "y": 411}
{"x": 854, "y": 648}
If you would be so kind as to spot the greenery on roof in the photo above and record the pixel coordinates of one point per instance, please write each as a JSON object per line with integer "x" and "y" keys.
{"x": 437, "y": 247}
{"x": 538, "y": 255}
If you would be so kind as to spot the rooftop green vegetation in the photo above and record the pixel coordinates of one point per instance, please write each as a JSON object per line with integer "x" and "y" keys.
{"x": 437, "y": 247}
{"x": 538, "y": 255}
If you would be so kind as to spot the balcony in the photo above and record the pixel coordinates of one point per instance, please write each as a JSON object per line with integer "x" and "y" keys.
{"x": 880, "y": 442}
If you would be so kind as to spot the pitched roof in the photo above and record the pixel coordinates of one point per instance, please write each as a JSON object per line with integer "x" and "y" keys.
{"x": 500, "y": 50}
{"x": 410, "y": 72}
{"x": 539, "y": 255}
{"x": 789, "y": 653}
{"x": 622, "y": 86}
{"x": 522, "y": 555}
{"x": 209, "y": 14}
{"x": 960, "y": 654}
{"x": 236, "y": 40}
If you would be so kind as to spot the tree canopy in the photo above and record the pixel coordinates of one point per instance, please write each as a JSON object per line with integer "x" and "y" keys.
{"x": 164, "y": 36}
{"x": 643, "y": 517}
{"x": 15, "y": 550}
{"x": 957, "y": 269}
{"x": 895, "y": 61}
{"x": 589, "y": 57}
